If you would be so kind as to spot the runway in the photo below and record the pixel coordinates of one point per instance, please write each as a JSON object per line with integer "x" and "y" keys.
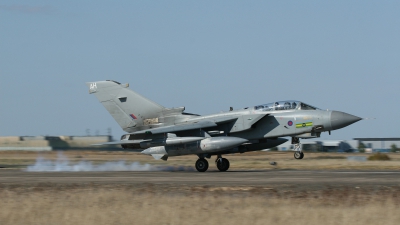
{"x": 274, "y": 178}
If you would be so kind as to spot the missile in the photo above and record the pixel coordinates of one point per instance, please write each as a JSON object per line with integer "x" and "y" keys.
{"x": 159, "y": 150}
{"x": 220, "y": 143}
{"x": 213, "y": 144}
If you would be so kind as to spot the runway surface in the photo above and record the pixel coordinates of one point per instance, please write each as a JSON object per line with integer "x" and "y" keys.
{"x": 283, "y": 178}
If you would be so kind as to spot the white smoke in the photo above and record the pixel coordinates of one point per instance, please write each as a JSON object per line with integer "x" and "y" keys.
{"x": 62, "y": 163}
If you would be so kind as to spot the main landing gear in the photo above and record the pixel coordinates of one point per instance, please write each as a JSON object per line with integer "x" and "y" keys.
{"x": 222, "y": 164}
{"x": 298, "y": 154}
{"x": 202, "y": 165}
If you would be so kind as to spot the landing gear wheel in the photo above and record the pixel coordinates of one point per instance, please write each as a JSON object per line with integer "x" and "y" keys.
{"x": 201, "y": 165}
{"x": 222, "y": 164}
{"x": 298, "y": 155}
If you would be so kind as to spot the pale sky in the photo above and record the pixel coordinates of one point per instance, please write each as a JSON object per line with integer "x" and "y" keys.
{"x": 205, "y": 55}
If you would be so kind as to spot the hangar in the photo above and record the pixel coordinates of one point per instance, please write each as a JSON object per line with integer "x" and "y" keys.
{"x": 379, "y": 144}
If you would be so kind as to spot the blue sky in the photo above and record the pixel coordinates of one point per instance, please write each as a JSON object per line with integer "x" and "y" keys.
{"x": 204, "y": 55}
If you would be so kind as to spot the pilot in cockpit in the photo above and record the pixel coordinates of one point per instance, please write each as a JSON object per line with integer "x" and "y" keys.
{"x": 276, "y": 105}
{"x": 287, "y": 105}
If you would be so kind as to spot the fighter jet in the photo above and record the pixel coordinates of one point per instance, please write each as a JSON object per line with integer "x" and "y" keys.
{"x": 165, "y": 132}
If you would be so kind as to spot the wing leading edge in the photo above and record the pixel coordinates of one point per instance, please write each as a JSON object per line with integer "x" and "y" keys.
{"x": 177, "y": 128}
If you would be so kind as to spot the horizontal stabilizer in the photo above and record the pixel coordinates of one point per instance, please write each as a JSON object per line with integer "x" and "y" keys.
{"x": 176, "y": 128}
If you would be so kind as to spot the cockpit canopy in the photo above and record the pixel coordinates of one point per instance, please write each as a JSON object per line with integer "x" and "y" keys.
{"x": 284, "y": 105}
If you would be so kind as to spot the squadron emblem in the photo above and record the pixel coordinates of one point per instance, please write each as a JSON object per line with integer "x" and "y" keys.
{"x": 93, "y": 86}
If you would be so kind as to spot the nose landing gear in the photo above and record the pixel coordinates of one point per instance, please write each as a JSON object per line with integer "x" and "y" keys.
{"x": 298, "y": 154}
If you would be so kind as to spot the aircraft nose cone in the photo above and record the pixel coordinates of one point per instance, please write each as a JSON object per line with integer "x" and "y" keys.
{"x": 341, "y": 119}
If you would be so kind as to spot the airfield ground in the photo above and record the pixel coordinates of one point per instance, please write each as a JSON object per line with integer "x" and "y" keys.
{"x": 320, "y": 189}
{"x": 247, "y": 161}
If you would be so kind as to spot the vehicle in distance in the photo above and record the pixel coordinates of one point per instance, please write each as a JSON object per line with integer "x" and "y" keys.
{"x": 165, "y": 132}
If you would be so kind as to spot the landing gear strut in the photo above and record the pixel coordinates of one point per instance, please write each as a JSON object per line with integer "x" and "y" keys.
{"x": 222, "y": 164}
{"x": 298, "y": 154}
{"x": 201, "y": 165}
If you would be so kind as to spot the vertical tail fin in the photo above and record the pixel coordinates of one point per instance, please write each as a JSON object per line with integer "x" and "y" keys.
{"x": 127, "y": 107}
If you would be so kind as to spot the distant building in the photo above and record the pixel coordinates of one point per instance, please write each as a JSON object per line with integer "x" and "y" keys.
{"x": 379, "y": 144}
{"x": 49, "y": 143}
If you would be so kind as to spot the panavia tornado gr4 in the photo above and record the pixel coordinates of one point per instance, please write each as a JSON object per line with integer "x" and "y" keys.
{"x": 165, "y": 132}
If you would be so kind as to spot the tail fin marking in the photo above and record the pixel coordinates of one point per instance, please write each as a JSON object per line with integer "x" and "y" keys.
{"x": 127, "y": 107}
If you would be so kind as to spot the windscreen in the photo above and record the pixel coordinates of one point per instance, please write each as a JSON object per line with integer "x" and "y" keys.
{"x": 304, "y": 106}
{"x": 277, "y": 106}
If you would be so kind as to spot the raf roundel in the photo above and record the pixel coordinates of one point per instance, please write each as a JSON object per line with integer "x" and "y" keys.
{"x": 290, "y": 123}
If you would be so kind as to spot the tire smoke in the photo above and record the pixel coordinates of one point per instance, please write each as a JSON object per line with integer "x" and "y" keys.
{"x": 63, "y": 164}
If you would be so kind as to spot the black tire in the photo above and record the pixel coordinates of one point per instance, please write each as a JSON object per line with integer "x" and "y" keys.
{"x": 223, "y": 164}
{"x": 298, "y": 155}
{"x": 201, "y": 165}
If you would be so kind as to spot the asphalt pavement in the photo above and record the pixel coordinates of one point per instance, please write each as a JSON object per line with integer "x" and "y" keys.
{"x": 287, "y": 178}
